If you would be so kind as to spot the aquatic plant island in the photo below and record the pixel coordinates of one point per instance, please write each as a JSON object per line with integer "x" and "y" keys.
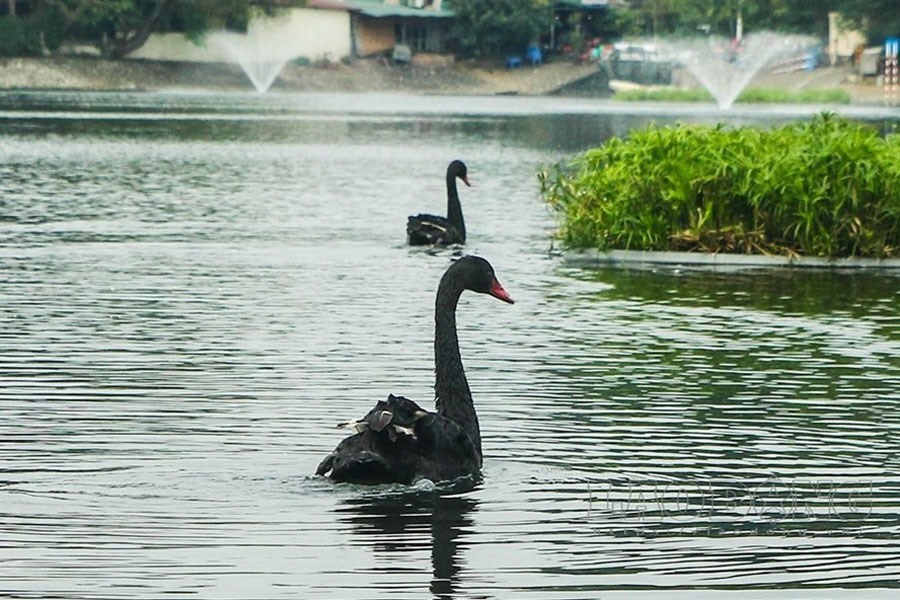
{"x": 827, "y": 187}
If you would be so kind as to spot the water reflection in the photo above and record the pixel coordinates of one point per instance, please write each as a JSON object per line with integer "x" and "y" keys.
{"x": 791, "y": 291}
{"x": 412, "y": 524}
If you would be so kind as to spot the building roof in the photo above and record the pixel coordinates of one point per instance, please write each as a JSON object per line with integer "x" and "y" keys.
{"x": 378, "y": 9}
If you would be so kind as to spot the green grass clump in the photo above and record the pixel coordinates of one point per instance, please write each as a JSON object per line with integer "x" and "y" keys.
{"x": 664, "y": 95}
{"x": 781, "y": 96}
{"x": 750, "y": 95}
{"x": 827, "y": 187}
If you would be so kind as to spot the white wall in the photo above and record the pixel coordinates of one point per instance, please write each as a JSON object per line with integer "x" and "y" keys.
{"x": 311, "y": 33}
{"x": 842, "y": 40}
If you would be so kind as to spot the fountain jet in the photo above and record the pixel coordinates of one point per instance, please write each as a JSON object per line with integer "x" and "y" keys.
{"x": 261, "y": 52}
{"x": 724, "y": 67}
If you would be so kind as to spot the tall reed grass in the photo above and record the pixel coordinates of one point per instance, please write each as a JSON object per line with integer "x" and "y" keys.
{"x": 827, "y": 187}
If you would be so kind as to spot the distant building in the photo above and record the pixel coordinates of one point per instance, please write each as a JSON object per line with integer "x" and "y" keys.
{"x": 376, "y": 27}
{"x": 576, "y": 23}
{"x": 322, "y": 30}
{"x": 843, "y": 41}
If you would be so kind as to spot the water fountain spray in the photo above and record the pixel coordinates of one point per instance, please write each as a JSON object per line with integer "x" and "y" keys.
{"x": 725, "y": 67}
{"x": 261, "y": 61}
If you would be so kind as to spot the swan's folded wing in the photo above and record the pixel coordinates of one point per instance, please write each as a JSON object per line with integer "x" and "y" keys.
{"x": 406, "y": 412}
{"x": 399, "y": 412}
{"x": 428, "y": 230}
{"x": 398, "y": 442}
{"x": 369, "y": 458}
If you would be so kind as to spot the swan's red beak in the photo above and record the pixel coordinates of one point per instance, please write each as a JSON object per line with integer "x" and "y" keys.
{"x": 466, "y": 180}
{"x": 497, "y": 291}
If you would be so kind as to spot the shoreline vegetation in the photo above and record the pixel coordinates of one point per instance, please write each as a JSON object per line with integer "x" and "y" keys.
{"x": 827, "y": 187}
{"x": 761, "y": 95}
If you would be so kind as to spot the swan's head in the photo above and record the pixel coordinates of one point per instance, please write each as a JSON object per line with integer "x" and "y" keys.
{"x": 458, "y": 169}
{"x": 477, "y": 275}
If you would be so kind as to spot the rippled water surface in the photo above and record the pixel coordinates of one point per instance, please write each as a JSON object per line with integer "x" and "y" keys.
{"x": 196, "y": 289}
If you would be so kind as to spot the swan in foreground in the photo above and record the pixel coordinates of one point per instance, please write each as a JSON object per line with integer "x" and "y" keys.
{"x": 400, "y": 442}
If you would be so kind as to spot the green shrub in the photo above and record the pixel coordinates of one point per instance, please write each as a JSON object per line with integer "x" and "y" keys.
{"x": 827, "y": 187}
{"x": 18, "y": 37}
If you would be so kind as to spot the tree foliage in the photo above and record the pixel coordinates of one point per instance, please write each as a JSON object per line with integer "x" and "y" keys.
{"x": 878, "y": 18}
{"x": 495, "y": 27}
{"x": 667, "y": 17}
{"x": 118, "y": 27}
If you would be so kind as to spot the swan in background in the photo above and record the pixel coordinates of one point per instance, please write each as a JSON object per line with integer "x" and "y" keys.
{"x": 431, "y": 230}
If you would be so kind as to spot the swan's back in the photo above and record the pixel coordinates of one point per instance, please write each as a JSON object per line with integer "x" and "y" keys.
{"x": 431, "y": 230}
{"x": 405, "y": 446}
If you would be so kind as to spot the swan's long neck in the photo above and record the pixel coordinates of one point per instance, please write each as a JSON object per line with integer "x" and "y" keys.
{"x": 454, "y": 209}
{"x": 452, "y": 396}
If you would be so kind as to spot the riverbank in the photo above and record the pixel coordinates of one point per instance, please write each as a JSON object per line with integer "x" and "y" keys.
{"x": 89, "y": 73}
{"x": 438, "y": 77}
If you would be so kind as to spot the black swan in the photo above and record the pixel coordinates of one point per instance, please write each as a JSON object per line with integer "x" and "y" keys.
{"x": 400, "y": 442}
{"x": 431, "y": 230}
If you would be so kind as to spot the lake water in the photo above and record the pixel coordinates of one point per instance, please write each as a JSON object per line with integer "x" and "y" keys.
{"x": 194, "y": 290}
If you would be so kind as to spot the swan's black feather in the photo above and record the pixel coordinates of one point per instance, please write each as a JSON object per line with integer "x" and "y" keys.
{"x": 431, "y": 230}
{"x": 438, "y": 450}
